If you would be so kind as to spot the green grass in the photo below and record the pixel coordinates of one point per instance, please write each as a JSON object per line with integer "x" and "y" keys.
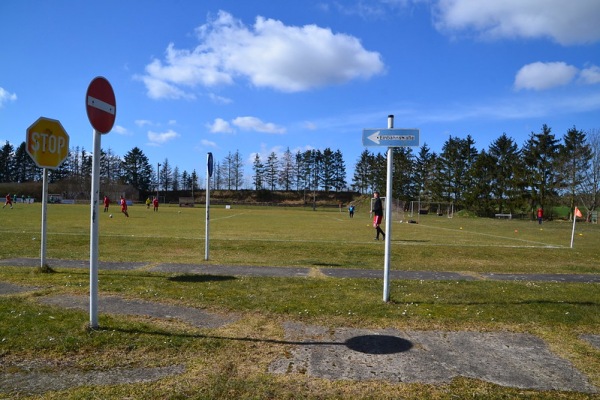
{"x": 280, "y": 236}
{"x": 224, "y": 363}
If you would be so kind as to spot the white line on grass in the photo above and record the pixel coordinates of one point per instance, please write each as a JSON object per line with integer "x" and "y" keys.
{"x": 538, "y": 244}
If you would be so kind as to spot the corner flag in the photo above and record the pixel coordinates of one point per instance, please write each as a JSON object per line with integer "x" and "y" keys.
{"x": 577, "y": 214}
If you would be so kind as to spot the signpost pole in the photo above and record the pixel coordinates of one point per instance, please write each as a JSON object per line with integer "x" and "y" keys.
{"x": 101, "y": 109}
{"x": 389, "y": 198}
{"x": 44, "y": 218}
{"x": 209, "y": 169}
{"x": 94, "y": 225}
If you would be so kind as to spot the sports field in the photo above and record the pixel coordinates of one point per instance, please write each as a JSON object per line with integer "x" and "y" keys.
{"x": 232, "y": 361}
{"x": 285, "y": 236}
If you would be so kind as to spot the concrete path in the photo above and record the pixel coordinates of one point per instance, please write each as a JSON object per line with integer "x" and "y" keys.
{"x": 433, "y": 357}
{"x": 220, "y": 270}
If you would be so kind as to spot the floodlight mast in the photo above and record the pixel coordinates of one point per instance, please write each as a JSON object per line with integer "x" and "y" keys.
{"x": 388, "y": 217}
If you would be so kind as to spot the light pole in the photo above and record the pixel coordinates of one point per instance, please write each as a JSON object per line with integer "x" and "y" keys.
{"x": 158, "y": 180}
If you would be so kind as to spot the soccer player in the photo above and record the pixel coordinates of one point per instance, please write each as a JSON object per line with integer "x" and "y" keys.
{"x": 377, "y": 215}
{"x": 8, "y": 201}
{"x": 124, "y": 207}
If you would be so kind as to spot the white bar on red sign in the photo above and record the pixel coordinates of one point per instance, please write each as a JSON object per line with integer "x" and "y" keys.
{"x": 101, "y": 105}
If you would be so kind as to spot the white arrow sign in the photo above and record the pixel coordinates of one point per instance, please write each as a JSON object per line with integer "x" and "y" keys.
{"x": 391, "y": 137}
{"x": 374, "y": 137}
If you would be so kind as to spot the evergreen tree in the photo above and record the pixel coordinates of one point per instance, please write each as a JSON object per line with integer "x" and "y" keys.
{"x": 403, "y": 183}
{"x": 238, "y": 170}
{"x": 175, "y": 181}
{"x": 479, "y": 195}
{"x": 541, "y": 155}
{"x": 506, "y": 181}
{"x": 591, "y": 182}
{"x": 286, "y": 173}
{"x": 425, "y": 172}
{"x": 271, "y": 170}
{"x": 455, "y": 161}
{"x": 6, "y": 163}
{"x": 166, "y": 175}
{"x": 363, "y": 175}
{"x": 576, "y": 155}
{"x": 259, "y": 172}
{"x": 25, "y": 168}
{"x": 339, "y": 174}
{"x": 137, "y": 170}
{"x": 194, "y": 180}
{"x": 327, "y": 169}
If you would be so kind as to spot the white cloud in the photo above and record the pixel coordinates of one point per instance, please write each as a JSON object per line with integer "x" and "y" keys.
{"x": 208, "y": 143}
{"x": 220, "y": 126}
{"x": 142, "y": 122}
{"x": 268, "y": 54}
{"x": 590, "y": 75}
{"x": 255, "y": 124}
{"x": 158, "y": 138}
{"x": 311, "y": 126}
{"x": 219, "y": 99}
{"x": 5, "y": 97}
{"x": 120, "y": 130}
{"x": 541, "y": 76}
{"x": 566, "y": 22}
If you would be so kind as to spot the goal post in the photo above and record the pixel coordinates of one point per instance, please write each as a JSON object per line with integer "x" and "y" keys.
{"x": 186, "y": 202}
{"x": 397, "y": 208}
{"x": 438, "y": 208}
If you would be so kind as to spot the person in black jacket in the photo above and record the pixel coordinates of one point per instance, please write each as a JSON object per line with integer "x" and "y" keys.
{"x": 377, "y": 215}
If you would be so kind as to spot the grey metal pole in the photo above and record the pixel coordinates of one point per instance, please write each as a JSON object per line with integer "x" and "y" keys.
{"x": 94, "y": 231}
{"x": 44, "y": 218}
{"x": 207, "y": 226}
{"x": 388, "y": 217}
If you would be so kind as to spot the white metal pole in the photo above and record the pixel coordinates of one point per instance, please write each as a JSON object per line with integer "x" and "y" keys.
{"x": 207, "y": 226}
{"x": 94, "y": 229}
{"x": 573, "y": 231}
{"x": 44, "y": 218}
{"x": 388, "y": 217}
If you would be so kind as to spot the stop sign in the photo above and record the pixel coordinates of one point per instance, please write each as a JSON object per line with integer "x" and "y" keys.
{"x": 47, "y": 143}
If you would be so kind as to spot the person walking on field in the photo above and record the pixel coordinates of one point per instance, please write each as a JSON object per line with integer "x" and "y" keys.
{"x": 8, "y": 201}
{"x": 106, "y": 203}
{"x": 148, "y": 203}
{"x": 124, "y": 207}
{"x": 155, "y": 203}
{"x": 377, "y": 215}
{"x": 540, "y": 215}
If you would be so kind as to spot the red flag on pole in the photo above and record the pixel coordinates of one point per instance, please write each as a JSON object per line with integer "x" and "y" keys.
{"x": 578, "y": 213}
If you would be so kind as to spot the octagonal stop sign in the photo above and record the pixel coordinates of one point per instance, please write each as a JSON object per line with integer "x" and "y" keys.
{"x": 47, "y": 143}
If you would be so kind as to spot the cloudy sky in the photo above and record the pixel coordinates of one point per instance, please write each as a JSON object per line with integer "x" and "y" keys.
{"x": 261, "y": 76}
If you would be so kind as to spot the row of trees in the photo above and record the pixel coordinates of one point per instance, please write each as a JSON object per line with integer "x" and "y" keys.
{"x": 16, "y": 166}
{"x": 506, "y": 177}
{"x": 311, "y": 169}
{"x": 545, "y": 171}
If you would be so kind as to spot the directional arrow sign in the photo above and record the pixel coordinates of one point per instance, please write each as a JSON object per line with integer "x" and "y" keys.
{"x": 391, "y": 137}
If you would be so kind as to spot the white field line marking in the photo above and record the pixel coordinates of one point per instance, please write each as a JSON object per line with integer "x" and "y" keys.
{"x": 399, "y": 242}
{"x": 538, "y": 244}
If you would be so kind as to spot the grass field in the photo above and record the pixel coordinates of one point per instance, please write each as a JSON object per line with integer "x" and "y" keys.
{"x": 275, "y": 236}
{"x": 221, "y": 368}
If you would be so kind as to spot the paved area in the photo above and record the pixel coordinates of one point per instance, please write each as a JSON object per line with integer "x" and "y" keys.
{"x": 220, "y": 270}
{"x": 507, "y": 359}
{"x": 504, "y": 358}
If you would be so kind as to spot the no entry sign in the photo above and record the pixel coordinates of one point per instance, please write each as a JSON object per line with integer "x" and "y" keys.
{"x": 101, "y": 105}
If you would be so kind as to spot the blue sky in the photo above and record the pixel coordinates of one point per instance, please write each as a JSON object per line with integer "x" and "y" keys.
{"x": 261, "y": 76}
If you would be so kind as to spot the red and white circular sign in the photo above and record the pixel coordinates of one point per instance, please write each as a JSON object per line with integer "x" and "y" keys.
{"x": 101, "y": 105}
